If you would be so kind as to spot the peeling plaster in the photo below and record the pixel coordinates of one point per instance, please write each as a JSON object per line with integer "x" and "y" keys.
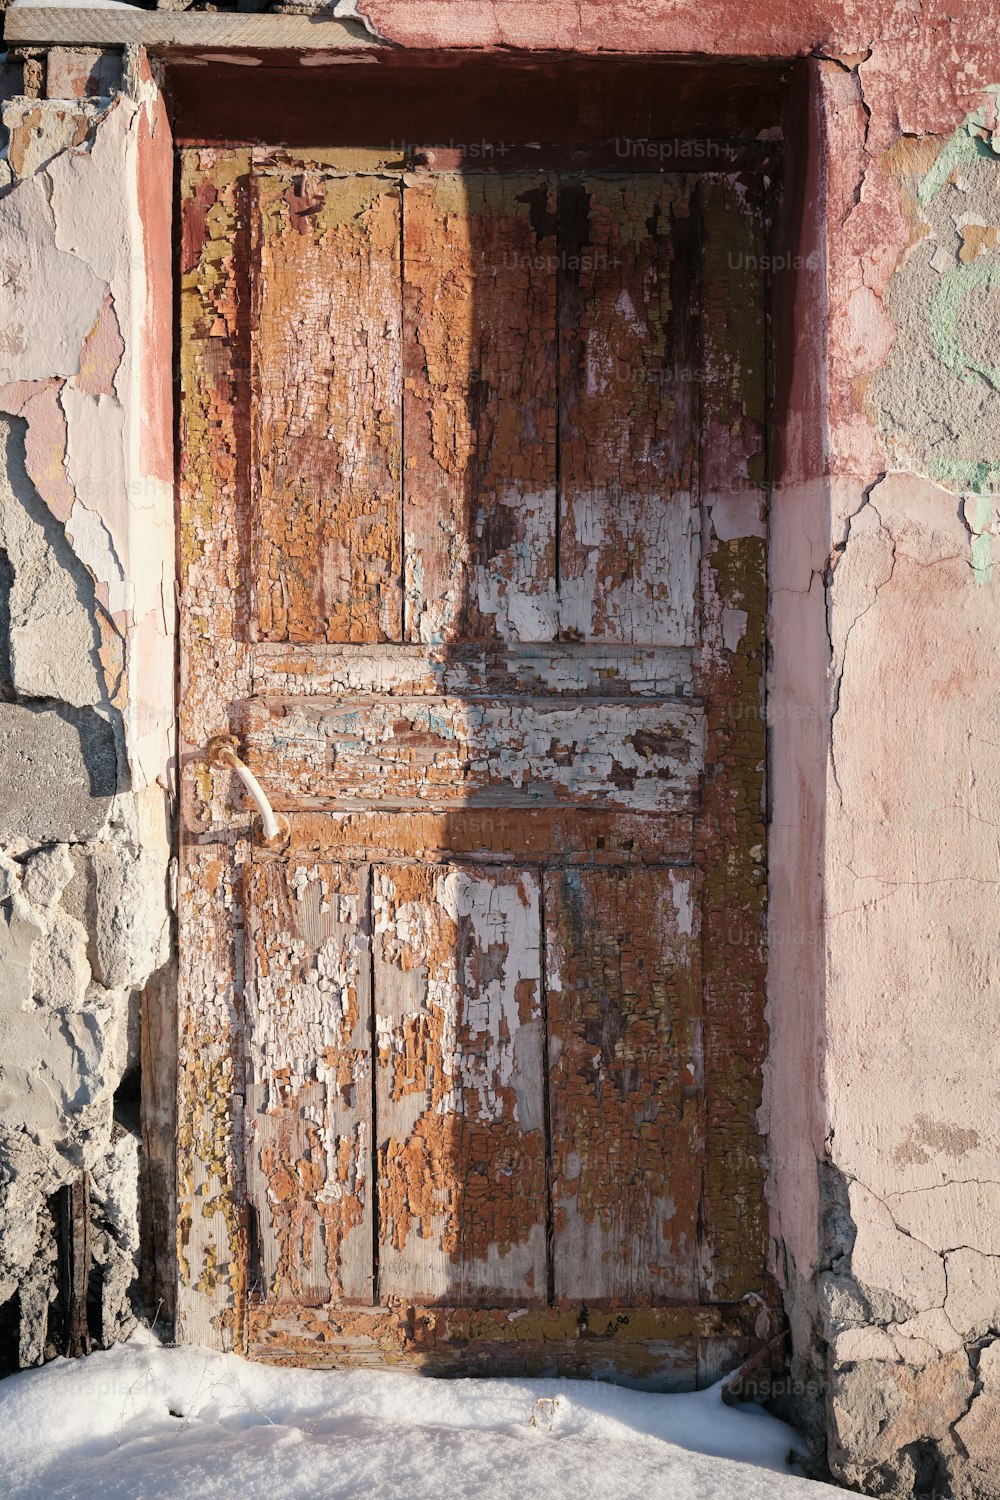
{"x": 883, "y": 917}
{"x": 943, "y": 299}
{"x": 84, "y": 920}
{"x": 41, "y": 334}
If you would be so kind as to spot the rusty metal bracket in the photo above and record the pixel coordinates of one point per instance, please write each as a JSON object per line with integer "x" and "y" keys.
{"x": 271, "y": 829}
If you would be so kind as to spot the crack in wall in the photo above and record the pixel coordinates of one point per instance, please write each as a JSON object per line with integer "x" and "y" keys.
{"x": 84, "y": 924}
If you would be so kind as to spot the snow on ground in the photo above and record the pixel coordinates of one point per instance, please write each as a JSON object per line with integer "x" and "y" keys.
{"x": 143, "y": 1422}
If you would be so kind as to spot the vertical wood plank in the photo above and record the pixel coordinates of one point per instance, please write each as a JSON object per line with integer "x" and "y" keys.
{"x": 623, "y": 982}
{"x": 459, "y": 1094}
{"x": 158, "y": 1158}
{"x": 628, "y": 391}
{"x": 326, "y": 355}
{"x": 75, "y": 1254}
{"x": 215, "y": 678}
{"x": 479, "y": 308}
{"x": 731, "y": 834}
{"x": 308, "y": 1111}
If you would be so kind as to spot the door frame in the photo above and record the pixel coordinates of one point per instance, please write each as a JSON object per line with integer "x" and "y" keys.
{"x": 203, "y": 1315}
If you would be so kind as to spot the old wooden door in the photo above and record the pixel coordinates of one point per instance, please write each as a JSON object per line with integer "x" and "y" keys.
{"x": 473, "y": 552}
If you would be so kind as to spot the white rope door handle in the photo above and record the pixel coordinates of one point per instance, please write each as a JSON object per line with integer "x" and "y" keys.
{"x": 221, "y": 751}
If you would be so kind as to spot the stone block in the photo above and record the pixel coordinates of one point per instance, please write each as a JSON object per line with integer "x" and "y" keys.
{"x": 58, "y": 768}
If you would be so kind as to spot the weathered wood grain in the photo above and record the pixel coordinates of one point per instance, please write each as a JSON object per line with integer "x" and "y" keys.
{"x": 479, "y": 311}
{"x": 507, "y": 752}
{"x": 731, "y": 835}
{"x": 462, "y": 670}
{"x": 460, "y": 1102}
{"x": 214, "y": 442}
{"x": 327, "y": 407}
{"x": 75, "y": 1255}
{"x": 522, "y": 836}
{"x": 308, "y": 1109}
{"x": 516, "y": 723}
{"x": 158, "y": 1158}
{"x": 625, "y": 1066}
{"x": 628, "y": 382}
{"x": 660, "y": 1348}
{"x": 82, "y": 27}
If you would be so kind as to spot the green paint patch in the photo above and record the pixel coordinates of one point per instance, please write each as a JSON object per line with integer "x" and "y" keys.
{"x": 968, "y": 144}
{"x": 945, "y": 309}
{"x": 974, "y": 477}
{"x": 978, "y": 514}
{"x": 982, "y": 558}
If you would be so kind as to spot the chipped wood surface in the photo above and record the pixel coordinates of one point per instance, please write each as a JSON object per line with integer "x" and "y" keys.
{"x": 470, "y": 1069}
{"x": 326, "y": 415}
{"x": 214, "y": 440}
{"x": 158, "y": 1158}
{"x": 503, "y": 752}
{"x": 731, "y": 827}
{"x": 479, "y": 306}
{"x": 460, "y": 1085}
{"x": 523, "y": 836}
{"x": 624, "y": 1040}
{"x": 662, "y": 1348}
{"x": 309, "y": 1104}
{"x": 630, "y": 528}
{"x": 555, "y": 669}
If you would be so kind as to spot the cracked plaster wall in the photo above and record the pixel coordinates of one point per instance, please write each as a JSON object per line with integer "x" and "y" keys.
{"x": 884, "y": 957}
{"x": 86, "y": 683}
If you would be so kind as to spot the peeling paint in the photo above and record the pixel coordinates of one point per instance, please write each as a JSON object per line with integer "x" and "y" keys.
{"x": 474, "y": 1022}
{"x": 75, "y": 782}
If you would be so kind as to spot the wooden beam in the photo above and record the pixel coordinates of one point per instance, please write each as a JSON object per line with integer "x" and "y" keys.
{"x": 74, "y": 1264}
{"x": 157, "y": 1162}
{"x": 163, "y": 31}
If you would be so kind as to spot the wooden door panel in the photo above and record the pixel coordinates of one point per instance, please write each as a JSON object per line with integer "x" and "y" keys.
{"x": 520, "y": 836}
{"x": 630, "y": 526}
{"x": 459, "y": 1085}
{"x": 556, "y": 669}
{"x": 732, "y": 833}
{"x": 625, "y": 1064}
{"x": 473, "y": 573}
{"x": 326, "y": 361}
{"x": 479, "y": 407}
{"x": 308, "y": 1103}
{"x": 214, "y": 664}
{"x": 514, "y": 751}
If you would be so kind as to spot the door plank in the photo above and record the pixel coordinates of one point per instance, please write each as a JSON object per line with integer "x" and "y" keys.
{"x": 459, "y": 1093}
{"x": 308, "y": 1111}
{"x": 461, "y": 670}
{"x": 732, "y": 835}
{"x": 624, "y": 1037}
{"x": 213, "y": 419}
{"x": 479, "y": 312}
{"x": 641, "y": 756}
{"x": 628, "y": 382}
{"x": 522, "y": 836}
{"x": 327, "y": 369}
